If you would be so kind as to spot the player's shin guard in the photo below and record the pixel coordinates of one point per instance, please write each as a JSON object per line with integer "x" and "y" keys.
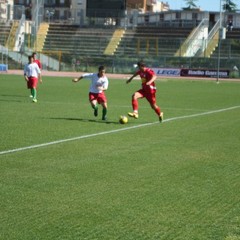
{"x": 104, "y": 113}
{"x": 34, "y": 93}
{"x": 135, "y": 105}
{"x": 157, "y": 110}
{"x": 95, "y": 107}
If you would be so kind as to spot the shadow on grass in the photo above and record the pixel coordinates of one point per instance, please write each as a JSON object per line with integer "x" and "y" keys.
{"x": 13, "y": 95}
{"x": 86, "y": 120}
{"x": 10, "y": 100}
{"x": 7, "y": 97}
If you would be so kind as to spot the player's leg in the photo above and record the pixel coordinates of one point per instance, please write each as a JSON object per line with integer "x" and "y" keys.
{"x": 33, "y": 85}
{"x": 104, "y": 111}
{"x": 29, "y": 87}
{"x": 102, "y": 99}
{"x": 135, "y": 97}
{"x": 34, "y": 94}
{"x": 94, "y": 104}
{"x": 31, "y": 93}
{"x": 158, "y": 111}
{"x": 152, "y": 100}
{"x": 95, "y": 107}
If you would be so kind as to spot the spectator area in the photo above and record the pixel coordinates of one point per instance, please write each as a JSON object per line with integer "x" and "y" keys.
{"x": 230, "y": 47}
{"x": 4, "y": 32}
{"x": 70, "y": 39}
{"x": 154, "y": 41}
{"x": 92, "y": 42}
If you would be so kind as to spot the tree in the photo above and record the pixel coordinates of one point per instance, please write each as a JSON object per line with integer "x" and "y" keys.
{"x": 229, "y": 6}
{"x": 191, "y": 4}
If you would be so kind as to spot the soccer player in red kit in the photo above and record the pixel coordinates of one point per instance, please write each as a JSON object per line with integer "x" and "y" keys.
{"x": 147, "y": 91}
{"x": 36, "y": 60}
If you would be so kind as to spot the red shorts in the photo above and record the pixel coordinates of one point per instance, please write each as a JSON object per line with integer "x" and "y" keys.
{"x": 150, "y": 95}
{"x": 32, "y": 82}
{"x": 100, "y": 97}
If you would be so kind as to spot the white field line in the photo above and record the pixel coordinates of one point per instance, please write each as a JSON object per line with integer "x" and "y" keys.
{"x": 115, "y": 131}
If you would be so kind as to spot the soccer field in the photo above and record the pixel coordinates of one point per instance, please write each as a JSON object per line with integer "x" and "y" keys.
{"x": 68, "y": 175}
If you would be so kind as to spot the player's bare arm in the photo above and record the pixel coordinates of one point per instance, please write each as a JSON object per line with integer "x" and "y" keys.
{"x": 40, "y": 77}
{"x": 131, "y": 78}
{"x": 26, "y": 77}
{"x": 77, "y": 79}
{"x": 152, "y": 80}
{"x": 102, "y": 88}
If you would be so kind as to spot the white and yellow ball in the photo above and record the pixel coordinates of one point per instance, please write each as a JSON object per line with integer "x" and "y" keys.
{"x": 123, "y": 119}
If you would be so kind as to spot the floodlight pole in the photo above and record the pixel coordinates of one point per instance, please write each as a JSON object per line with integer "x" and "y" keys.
{"x": 36, "y": 25}
{"x": 219, "y": 40}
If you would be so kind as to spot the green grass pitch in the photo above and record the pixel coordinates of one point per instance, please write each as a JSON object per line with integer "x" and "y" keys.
{"x": 67, "y": 175}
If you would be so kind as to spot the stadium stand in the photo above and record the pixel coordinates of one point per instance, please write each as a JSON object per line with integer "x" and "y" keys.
{"x": 114, "y": 42}
{"x": 4, "y": 32}
{"x": 41, "y": 36}
{"x": 94, "y": 42}
{"x": 10, "y": 43}
{"x": 230, "y": 47}
{"x": 70, "y": 39}
{"x": 75, "y": 47}
{"x": 154, "y": 41}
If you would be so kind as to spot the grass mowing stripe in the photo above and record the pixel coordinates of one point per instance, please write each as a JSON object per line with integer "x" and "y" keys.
{"x": 114, "y": 131}
{"x": 202, "y": 114}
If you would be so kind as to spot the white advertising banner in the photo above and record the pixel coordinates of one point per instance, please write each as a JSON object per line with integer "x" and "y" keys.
{"x": 171, "y": 72}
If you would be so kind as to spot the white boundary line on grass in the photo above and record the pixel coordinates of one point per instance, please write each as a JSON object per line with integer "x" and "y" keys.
{"x": 114, "y": 131}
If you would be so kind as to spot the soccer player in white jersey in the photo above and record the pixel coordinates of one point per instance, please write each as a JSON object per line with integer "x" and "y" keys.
{"x": 31, "y": 74}
{"x": 99, "y": 83}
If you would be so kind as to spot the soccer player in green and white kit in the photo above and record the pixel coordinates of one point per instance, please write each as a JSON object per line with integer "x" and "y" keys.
{"x": 31, "y": 74}
{"x": 99, "y": 83}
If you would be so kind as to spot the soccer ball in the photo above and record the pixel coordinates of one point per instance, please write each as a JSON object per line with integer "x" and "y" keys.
{"x": 123, "y": 119}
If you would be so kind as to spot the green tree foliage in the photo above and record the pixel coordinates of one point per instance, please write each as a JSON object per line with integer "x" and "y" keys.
{"x": 190, "y": 4}
{"x": 229, "y": 6}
